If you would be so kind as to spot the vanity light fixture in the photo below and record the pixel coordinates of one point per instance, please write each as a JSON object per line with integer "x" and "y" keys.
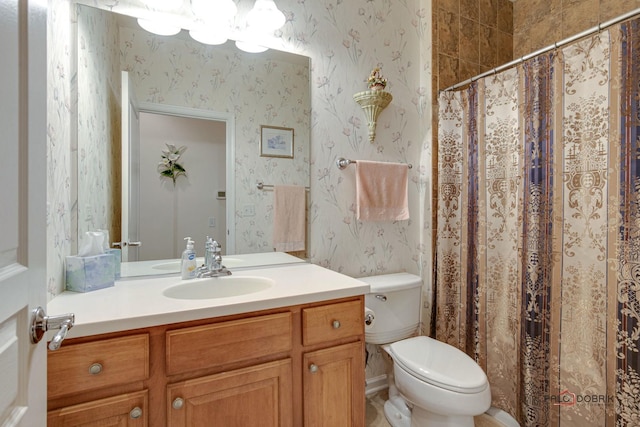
{"x": 159, "y": 27}
{"x": 265, "y": 16}
{"x": 216, "y": 18}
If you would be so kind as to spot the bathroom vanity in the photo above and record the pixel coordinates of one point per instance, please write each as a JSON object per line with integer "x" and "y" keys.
{"x": 290, "y": 354}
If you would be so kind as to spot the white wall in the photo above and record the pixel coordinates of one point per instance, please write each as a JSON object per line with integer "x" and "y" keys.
{"x": 172, "y": 213}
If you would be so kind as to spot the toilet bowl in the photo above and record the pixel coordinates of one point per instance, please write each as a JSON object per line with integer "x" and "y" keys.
{"x": 434, "y": 384}
{"x": 443, "y": 385}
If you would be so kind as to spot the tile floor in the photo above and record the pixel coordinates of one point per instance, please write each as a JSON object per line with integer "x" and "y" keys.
{"x": 375, "y": 413}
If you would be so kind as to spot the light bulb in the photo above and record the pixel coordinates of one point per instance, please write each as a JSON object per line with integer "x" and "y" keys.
{"x": 265, "y": 16}
{"x": 159, "y": 27}
{"x": 216, "y": 10}
{"x": 164, "y": 4}
{"x": 210, "y": 37}
{"x": 250, "y": 47}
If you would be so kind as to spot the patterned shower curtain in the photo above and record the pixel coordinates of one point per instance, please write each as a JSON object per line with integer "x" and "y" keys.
{"x": 538, "y": 242}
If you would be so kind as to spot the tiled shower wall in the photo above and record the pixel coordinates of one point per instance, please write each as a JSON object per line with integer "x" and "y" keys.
{"x": 471, "y": 36}
{"x": 540, "y": 23}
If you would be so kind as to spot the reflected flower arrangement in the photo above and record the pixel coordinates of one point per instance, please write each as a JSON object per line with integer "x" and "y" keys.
{"x": 169, "y": 166}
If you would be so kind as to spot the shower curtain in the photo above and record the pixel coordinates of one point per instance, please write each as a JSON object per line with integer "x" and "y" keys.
{"x": 538, "y": 231}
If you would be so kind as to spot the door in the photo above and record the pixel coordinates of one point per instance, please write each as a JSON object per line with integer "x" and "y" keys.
{"x": 333, "y": 381}
{"x": 23, "y": 25}
{"x": 130, "y": 214}
{"x": 126, "y": 410}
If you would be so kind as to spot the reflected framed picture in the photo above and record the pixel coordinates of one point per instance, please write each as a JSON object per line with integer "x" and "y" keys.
{"x": 276, "y": 142}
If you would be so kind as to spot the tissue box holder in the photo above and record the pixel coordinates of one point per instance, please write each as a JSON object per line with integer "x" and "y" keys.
{"x": 85, "y": 274}
{"x": 117, "y": 260}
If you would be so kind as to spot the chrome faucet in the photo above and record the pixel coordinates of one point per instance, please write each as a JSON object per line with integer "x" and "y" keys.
{"x": 212, "y": 260}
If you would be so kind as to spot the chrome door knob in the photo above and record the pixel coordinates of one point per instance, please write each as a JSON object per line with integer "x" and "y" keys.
{"x": 41, "y": 323}
{"x": 178, "y": 403}
{"x": 135, "y": 413}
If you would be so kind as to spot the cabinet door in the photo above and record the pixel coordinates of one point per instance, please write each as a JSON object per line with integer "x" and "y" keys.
{"x": 260, "y": 395}
{"x": 334, "y": 387}
{"x": 126, "y": 410}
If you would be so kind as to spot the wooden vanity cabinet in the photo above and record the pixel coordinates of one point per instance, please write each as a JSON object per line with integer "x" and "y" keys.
{"x": 293, "y": 366}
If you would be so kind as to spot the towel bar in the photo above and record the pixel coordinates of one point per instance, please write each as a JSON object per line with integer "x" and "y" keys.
{"x": 342, "y": 163}
{"x": 261, "y": 186}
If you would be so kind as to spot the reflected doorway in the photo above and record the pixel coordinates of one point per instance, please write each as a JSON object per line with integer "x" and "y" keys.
{"x": 195, "y": 206}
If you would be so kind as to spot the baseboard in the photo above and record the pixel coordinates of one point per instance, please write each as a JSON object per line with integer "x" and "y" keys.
{"x": 375, "y": 384}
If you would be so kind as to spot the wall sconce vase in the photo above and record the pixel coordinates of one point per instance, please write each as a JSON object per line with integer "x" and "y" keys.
{"x": 372, "y": 103}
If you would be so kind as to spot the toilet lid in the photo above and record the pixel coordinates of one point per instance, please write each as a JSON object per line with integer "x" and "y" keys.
{"x": 439, "y": 364}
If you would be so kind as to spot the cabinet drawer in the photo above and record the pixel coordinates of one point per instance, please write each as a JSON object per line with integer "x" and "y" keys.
{"x": 81, "y": 367}
{"x": 332, "y": 321}
{"x": 207, "y": 346}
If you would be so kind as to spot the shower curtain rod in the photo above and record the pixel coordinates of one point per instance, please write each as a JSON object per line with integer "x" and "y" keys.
{"x": 556, "y": 45}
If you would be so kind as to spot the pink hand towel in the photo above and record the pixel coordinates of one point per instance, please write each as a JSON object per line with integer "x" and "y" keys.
{"x": 381, "y": 191}
{"x": 289, "y": 218}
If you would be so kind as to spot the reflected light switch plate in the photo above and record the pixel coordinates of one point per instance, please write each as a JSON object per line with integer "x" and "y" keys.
{"x": 249, "y": 210}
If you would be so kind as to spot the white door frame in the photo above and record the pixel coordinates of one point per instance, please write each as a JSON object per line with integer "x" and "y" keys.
{"x": 130, "y": 134}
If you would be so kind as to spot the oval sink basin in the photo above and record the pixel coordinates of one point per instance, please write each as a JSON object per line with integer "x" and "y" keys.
{"x": 218, "y": 287}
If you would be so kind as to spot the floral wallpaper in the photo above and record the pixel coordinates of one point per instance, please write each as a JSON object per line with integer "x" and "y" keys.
{"x": 61, "y": 146}
{"x": 345, "y": 40}
{"x": 98, "y": 123}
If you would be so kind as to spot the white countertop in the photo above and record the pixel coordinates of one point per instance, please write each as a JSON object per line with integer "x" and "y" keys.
{"x": 132, "y": 304}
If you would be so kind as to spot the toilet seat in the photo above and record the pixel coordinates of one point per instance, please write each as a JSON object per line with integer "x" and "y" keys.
{"x": 439, "y": 364}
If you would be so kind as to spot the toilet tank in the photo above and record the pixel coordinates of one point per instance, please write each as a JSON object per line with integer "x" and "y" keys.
{"x": 394, "y": 301}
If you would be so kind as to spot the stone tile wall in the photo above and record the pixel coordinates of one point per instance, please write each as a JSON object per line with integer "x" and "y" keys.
{"x": 540, "y": 23}
{"x": 470, "y": 37}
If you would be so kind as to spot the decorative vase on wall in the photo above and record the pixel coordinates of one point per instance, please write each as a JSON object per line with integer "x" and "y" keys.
{"x": 373, "y": 102}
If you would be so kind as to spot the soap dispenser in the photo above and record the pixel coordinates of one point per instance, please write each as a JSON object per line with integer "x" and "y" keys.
{"x": 188, "y": 265}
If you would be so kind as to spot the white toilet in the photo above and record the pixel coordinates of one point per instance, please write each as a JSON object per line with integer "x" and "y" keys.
{"x": 436, "y": 385}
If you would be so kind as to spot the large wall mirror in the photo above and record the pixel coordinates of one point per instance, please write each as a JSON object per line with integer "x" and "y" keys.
{"x": 213, "y": 100}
